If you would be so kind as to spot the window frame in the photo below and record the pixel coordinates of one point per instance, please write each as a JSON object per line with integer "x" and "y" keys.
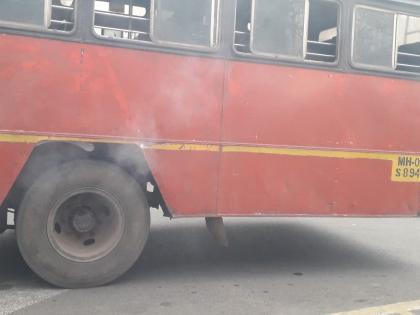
{"x": 214, "y": 31}
{"x": 408, "y": 15}
{"x": 360, "y": 65}
{"x": 303, "y": 60}
{"x": 280, "y": 56}
{"x": 47, "y": 18}
{"x": 155, "y": 43}
{"x": 393, "y": 70}
{"x": 107, "y": 38}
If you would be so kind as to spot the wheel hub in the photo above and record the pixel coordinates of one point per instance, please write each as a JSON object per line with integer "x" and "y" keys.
{"x": 84, "y": 221}
{"x": 86, "y": 225}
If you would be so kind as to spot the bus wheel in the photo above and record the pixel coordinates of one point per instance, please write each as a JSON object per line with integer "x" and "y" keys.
{"x": 83, "y": 224}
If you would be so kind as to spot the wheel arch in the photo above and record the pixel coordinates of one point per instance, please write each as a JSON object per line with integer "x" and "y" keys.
{"x": 129, "y": 157}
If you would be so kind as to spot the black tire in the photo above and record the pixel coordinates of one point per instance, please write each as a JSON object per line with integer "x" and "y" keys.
{"x": 53, "y": 252}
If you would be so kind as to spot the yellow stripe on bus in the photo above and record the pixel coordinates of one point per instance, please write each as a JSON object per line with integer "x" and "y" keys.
{"x": 405, "y": 167}
{"x": 311, "y": 152}
{"x": 33, "y": 139}
{"x": 184, "y": 147}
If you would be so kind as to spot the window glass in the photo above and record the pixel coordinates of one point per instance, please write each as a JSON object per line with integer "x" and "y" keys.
{"x": 66, "y": 3}
{"x": 322, "y": 31}
{"x": 373, "y": 37}
{"x": 408, "y": 43}
{"x": 30, "y": 12}
{"x": 279, "y": 37}
{"x": 243, "y": 26}
{"x": 123, "y": 19}
{"x": 278, "y": 27}
{"x": 188, "y": 22}
{"x": 62, "y": 15}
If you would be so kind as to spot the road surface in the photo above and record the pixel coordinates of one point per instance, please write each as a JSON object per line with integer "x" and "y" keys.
{"x": 273, "y": 266}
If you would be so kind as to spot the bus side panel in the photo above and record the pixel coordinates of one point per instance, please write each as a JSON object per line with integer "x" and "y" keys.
{"x": 151, "y": 95}
{"x": 55, "y": 87}
{"x": 165, "y": 98}
{"x": 269, "y": 105}
{"x": 255, "y": 184}
{"x": 277, "y": 105}
{"x": 187, "y": 180}
{"x": 62, "y": 87}
{"x": 13, "y": 156}
{"x": 40, "y": 84}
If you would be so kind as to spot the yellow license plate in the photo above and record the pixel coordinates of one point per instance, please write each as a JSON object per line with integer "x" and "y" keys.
{"x": 406, "y": 168}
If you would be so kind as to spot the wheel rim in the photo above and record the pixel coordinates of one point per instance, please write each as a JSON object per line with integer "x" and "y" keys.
{"x": 86, "y": 225}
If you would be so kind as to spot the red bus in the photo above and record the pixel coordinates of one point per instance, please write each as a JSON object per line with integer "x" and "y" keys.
{"x": 203, "y": 108}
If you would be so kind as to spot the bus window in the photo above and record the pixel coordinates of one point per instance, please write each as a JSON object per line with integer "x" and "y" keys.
{"x": 25, "y": 12}
{"x": 304, "y": 30}
{"x": 373, "y": 38}
{"x": 122, "y": 19}
{"x": 185, "y": 22}
{"x": 243, "y": 26}
{"x": 278, "y": 28}
{"x": 43, "y": 14}
{"x": 322, "y": 31}
{"x": 62, "y": 15}
{"x": 408, "y": 43}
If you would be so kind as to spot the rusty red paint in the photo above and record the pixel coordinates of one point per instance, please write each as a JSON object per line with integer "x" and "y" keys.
{"x": 12, "y": 159}
{"x": 117, "y": 92}
{"x": 292, "y": 106}
{"x": 269, "y": 185}
{"x": 274, "y": 105}
{"x": 57, "y": 87}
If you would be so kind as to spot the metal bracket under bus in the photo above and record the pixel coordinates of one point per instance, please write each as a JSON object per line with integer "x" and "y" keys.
{"x": 3, "y": 220}
{"x": 217, "y": 229}
{"x": 10, "y": 218}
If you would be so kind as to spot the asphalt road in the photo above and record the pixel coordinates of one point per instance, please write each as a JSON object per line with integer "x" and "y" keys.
{"x": 273, "y": 266}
